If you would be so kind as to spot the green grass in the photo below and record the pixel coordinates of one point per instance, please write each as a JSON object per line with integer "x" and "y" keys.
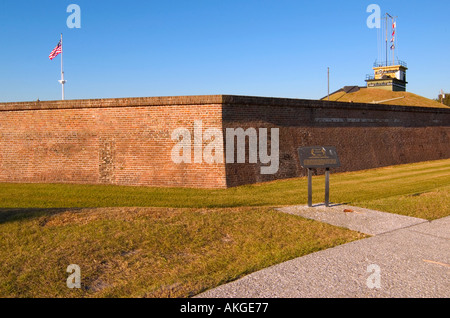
{"x": 429, "y": 205}
{"x": 361, "y": 187}
{"x": 154, "y": 242}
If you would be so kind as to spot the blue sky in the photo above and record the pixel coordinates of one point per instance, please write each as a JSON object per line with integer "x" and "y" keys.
{"x": 198, "y": 47}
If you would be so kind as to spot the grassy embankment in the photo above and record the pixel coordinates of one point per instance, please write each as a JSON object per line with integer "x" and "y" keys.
{"x": 190, "y": 239}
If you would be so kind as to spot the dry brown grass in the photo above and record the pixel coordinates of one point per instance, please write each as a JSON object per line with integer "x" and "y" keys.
{"x": 149, "y": 252}
{"x": 369, "y": 95}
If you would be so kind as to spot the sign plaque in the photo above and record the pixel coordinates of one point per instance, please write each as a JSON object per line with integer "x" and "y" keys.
{"x": 319, "y": 157}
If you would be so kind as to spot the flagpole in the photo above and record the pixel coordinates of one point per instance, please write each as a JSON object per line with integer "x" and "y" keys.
{"x": 62, "y": 81}
{"x": 387, "y": 40}
{"x": 394, "y": 37}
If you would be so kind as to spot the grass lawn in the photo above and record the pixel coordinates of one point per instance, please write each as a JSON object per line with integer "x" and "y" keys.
{"x": 361, "y": 187}
{"x": 428, "y": 205}
{"x": 369, "y": 95}
{"x": 149, "y": 252}
{"x": 153, "y": 242}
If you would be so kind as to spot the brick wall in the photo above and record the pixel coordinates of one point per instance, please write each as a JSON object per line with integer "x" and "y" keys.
{"x": 128, "y": 141}
{"x": 365, "y": 135}
{"x": 114, "y": 141}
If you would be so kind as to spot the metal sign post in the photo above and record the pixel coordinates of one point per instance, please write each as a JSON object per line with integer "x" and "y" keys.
{"x": 319, "y": 157}
{"x": 309, "y": 187}
{"x": 327, "y": 187}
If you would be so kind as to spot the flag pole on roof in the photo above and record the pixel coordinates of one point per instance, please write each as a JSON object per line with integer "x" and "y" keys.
{"x": 62, "y": 81}
{"x": 56, "y": 51}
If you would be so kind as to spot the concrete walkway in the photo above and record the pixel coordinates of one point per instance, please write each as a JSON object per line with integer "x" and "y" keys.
{"x": 407, "y": 257}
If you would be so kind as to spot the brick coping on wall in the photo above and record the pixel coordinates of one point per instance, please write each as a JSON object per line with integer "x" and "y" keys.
{"x": 205, "y": 100}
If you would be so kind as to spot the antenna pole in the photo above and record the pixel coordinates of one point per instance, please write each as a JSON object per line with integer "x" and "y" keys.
{"x": 328, "y": 84}
{"x": 393, "y": 37}
{"x": 387, "y": 40}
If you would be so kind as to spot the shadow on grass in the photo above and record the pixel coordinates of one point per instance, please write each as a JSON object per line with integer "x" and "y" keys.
{"x": 19, "y": 214}
{"x": 332, "y": 204}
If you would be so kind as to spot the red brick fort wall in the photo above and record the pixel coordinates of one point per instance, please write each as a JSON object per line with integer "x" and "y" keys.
{"x": 128, "y": 141}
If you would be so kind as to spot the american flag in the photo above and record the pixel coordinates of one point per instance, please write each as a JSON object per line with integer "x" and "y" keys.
{"x": 56, "y": 51}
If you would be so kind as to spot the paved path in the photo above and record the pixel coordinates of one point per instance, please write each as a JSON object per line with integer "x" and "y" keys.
{"x": 406, "y": 257}
{"x": 358, "y": 219}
